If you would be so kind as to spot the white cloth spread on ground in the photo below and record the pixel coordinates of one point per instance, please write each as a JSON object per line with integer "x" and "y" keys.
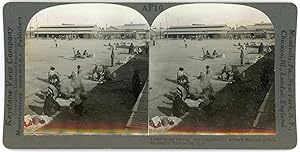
{"x": 160, "y": 123}
{"x": 31, "y": 124}
{"x": 193, "y": 103}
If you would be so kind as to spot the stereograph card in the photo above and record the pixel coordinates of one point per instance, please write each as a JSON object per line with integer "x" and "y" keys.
{"x": 149, "y": 75}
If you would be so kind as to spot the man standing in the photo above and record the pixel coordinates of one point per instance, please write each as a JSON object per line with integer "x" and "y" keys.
{"x": 242, "y": 57}
{"x": 260, "y": 48}
{"x": 112, "y": 56}
{"x": 203, "y": 53}
{"x": 130, "y": 48}
{"x": 208, "y": 72}
{"x": 55, "y": 41}
{"x": 185, "y": 42}
{"x": 79, "y": 70}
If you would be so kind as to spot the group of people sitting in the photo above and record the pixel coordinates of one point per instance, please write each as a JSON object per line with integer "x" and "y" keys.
{"x": 207, "y": 55}
{"x": 197, "y": 89}
{"x": 77, "y": 54}
{"x": 73, "y": 91}
{"x": 230, "y": 74}
{"x": 101, "y": 75}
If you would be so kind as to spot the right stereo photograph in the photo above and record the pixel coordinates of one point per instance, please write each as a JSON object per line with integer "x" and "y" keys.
{"x": 211, "y": 71}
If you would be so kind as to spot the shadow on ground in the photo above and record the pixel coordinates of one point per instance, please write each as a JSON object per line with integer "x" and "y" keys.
{"x": 108, "y": 105}
{"x": 171, "y": 80}
{"x": 236, "y": 105}
{"x": 42, "y": 79}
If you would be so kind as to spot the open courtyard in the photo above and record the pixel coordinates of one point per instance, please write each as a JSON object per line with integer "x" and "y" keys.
{"x": 168, "y": 55}
{"x": 109, "y": 105}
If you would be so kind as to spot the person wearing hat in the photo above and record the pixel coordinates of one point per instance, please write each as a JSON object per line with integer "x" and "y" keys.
{"x": 182, "y": 77}
{"x": 208, "y": 72}
{"x": 79, "y": 70}
{"x": 53, "y": 77}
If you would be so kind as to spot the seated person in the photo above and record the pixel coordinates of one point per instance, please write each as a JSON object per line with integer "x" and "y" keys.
{"x": 225, "y": 73}
{"x": 78, "y": 54}
{"x": 208, "y": 55}
{"x": 215, "y": 53}
{"x": 235, "y": 73}
{"x": 182, "y": 78}
{"x": 198, "y": 86}
{"x": 85, "y": 53}
{"x": 106, "y": 73}
{"x": 97, "y": 74}
{"x": 53, "y": 77}
{"x": 179, "y": 107}
{"x": 50, "y": 105}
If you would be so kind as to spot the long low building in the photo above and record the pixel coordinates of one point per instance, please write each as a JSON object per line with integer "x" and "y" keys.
{"x": 67, "y": 30}
{"x": 259, "y": 30}
{"x": 200, "y": 31}
{"x": 197, "y": 30}
{"x": 128, "y": 31}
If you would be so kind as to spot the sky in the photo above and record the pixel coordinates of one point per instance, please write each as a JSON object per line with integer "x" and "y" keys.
{"x": 96, "y": 14}
{"x": 105, "y": 15}
{"x": 229, "y": 14}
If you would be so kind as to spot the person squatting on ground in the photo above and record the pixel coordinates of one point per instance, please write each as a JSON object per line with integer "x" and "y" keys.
{"x": 101, "y": 75}
{"x": 136, "y": 84}
{"x": 182, "y": 78}
{"x": 85, "y": 53}
{"x": 77, "y": 92}
{"x": 201, "y": 89}
{"x": 54, "y": 77}
{"x": 225, "y": 73}
{"x": 235, "y": 73}
{"x": 50, "y": 105}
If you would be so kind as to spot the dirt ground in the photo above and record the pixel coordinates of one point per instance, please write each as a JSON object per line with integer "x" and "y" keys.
{"x": 236, "y": 105}
{"x": 108, "y": 105}
{"x": 169, "y": 55}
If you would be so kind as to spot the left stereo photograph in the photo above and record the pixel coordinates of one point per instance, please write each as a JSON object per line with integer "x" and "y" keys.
{"x": 82, "y": 79}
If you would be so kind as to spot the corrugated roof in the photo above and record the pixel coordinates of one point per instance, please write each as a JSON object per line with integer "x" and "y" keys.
{"x": 64, "y": 32}
{"x": 198, "y": 26}
{"x": 226, "y": 28}
{"x": 68, "y": 29}
{"x": 69, "y": 26}
{"x": 129, "y": 27}
{"x": 256, "y": 27}
{"x": 196, "y": 32}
